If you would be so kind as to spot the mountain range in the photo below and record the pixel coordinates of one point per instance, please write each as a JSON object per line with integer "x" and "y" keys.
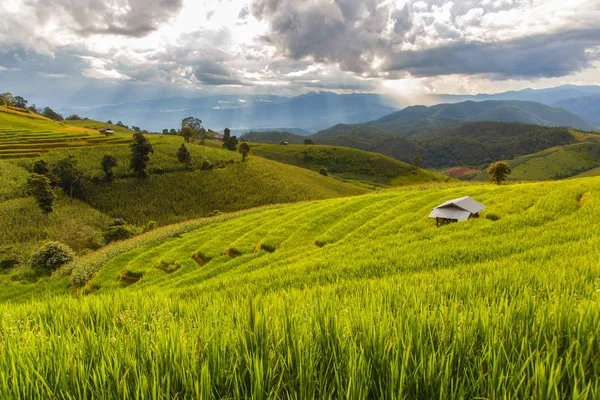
{"x": 310, "y": 112}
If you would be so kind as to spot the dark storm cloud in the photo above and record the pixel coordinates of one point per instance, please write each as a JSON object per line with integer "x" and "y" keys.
{"x": 135, "y": 18}
{"x": 213, "y": 73}
{"x": 354, "y": 34}
{"x": 538, "y": 56}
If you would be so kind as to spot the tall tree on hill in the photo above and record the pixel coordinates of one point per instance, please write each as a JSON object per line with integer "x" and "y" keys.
{"x": 244, "y": 150}
{"x": 50, "y": 113}
{"x": 417, "y": 161}
{"x": 20, "y": 102}
{"x": 41, "y": 167}
{"x": 108, "y": 163}
{"x": 187, "y": 133}
{"x": 184, "y": 156}
{"x": 6, "y": 99}
{"x": 498, "y": 172}
{"x": 192, "y": 122}
{"x": 229, "y": 142}
{"x": 70, "y": 178}
{"x": 39, "y": 187}
{"x": 140, "y": 148}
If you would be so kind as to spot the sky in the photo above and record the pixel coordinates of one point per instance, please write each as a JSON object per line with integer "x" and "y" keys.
{"x": 89, "y": 52}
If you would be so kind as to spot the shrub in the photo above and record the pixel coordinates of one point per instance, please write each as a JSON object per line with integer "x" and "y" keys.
{"x": 50, "y": 256}
{"x": 119, "y": 232}
{"x": 324, "y": 172}
{"x": 9, "y": 261}
{"x": 117, "y": 222}
{"x": 150, "y": 226}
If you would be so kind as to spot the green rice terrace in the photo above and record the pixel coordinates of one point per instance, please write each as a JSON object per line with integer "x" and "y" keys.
{"x": 27, "y": 135}
{"x": 357, "y": 297}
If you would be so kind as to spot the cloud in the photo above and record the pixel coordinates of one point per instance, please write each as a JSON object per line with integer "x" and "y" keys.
{"x": 215, "y": 73}
{"x": 510, "y": 38}
{"x": 135, "y": 18}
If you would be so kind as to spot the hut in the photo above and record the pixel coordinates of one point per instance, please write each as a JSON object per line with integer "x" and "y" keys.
{"x": 456, "y": 210}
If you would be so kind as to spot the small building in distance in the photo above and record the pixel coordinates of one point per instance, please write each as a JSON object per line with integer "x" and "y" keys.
{"x": 456, "y": 210}
{"x": 107, "y": 132}
{"x": 219, "y": 137}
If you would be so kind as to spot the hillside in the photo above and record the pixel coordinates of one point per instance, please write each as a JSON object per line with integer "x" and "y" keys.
{"x": 216, "y": 182}
{"x": 587, "y": 107}
{"x": 273, "y": 137}
{"x": 348, "y": 164}
{"x": 469, "y": 144}
{"x": 353, "y": 297}
{"x": 416, "y": 119}
{"x": 25, "y": 134}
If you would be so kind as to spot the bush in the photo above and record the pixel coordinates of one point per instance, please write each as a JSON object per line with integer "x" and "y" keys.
{"x": 150, "y": 226}
{"x": 117, "y": 222}
{"x": 50, "y": 256}
{"x": 120, "y": 232}
{"x": 9, "y": 261}
{"x": 324, "y": 172}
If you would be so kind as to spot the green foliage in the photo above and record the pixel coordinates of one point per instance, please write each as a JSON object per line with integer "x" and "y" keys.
{"x": 9, "y": 259}
{"x": 50, "y": 256}
{"x": 308, "y": 141}
{"x": 39, "y": 187}
{"x": 119, "y": 232}
{"x": 388, "y": 307}
{"x": 184, "y": 156}
{"x": 273, "y": 137}
{"x": 140, "y": 149}
{"x": 108, "y": 163}
{"x": 346, "y": 163}
{"x": 195, "y": 124}
{"x": 70, "y": 178}
{"x": 187, "y": 133}
{"x": 50, "y": 113}
{"x": 244, "y": 150}
{"x": 417, "y": 161}
{"x": 229, "y": 142}
{"x": 73, "y": 117}
{"x": 323, "y": 171}
{"x": 498, "y": 172}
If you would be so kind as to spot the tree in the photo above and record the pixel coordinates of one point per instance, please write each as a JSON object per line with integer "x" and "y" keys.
{"x": 173, "y": 132}
{"x": 39, "y": 187}
{"x": 187, "y": 133}
{"x": 417, "y": 161}
{"x": 136, "y": 128}
{"x": 41, "y": 167}
{"x": 140, "y": 149}
{"x": 324, "y": 172}
{"x": 33, "y": 108}
{"x": 308, "y": 141}
{"x": 192, "y": 122}
{"x": 122, "y": 125}
{"x": 498, "y": 172}
{"x": 165, "y": 131}
{"x": 244, "y": 150}
{"x": 73, "y": 117}
{"x": 50, "y": 113}
{"x": 109, "y": 122}
{"x": 229, "y": 142}
{"x": 70, "y": 178}
{"x": 6, "y": 99}
{"x": 20, "y": 102}
{"x": 50, "y": 256}
{"x": 184, "y": 156}
{"x": 108, "y": 163}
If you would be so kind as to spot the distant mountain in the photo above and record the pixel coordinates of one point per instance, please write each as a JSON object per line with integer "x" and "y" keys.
{"x": 467, "y": 144}
{"x": 273, "y": 137}
{"x": 295, "y": 131}
{"x": 310, "y": 112}
{"x": 547, "y": 96}
{"x": 415, "y": 119}
{"x": 586, "y": 107}
{"x": 504, "y": 111}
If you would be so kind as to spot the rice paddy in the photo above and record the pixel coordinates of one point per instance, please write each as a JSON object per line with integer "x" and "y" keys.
{"x": 359, "y": 297}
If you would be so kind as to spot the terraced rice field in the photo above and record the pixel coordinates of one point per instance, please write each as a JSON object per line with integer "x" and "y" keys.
{"x": 41, "y": 135}
{"x": 357, "y": 297}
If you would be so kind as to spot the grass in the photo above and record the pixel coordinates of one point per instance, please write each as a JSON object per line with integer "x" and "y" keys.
{"x": 28, "y": 135}
{"x": 348, "y": 164}
{"x": 360, "y": 297}
{"x": 557, "y": 162}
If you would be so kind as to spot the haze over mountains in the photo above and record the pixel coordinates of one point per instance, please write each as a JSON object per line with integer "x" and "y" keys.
{"x": 315, "y": 111}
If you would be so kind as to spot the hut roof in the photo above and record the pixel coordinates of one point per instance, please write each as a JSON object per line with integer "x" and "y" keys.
{"x": 457, "y": 209}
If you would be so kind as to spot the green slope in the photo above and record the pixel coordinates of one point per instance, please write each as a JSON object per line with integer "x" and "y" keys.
{"x": 348, "y": 164}
{"x": 345, "y": 298}
{"x": 218, "y": 182}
